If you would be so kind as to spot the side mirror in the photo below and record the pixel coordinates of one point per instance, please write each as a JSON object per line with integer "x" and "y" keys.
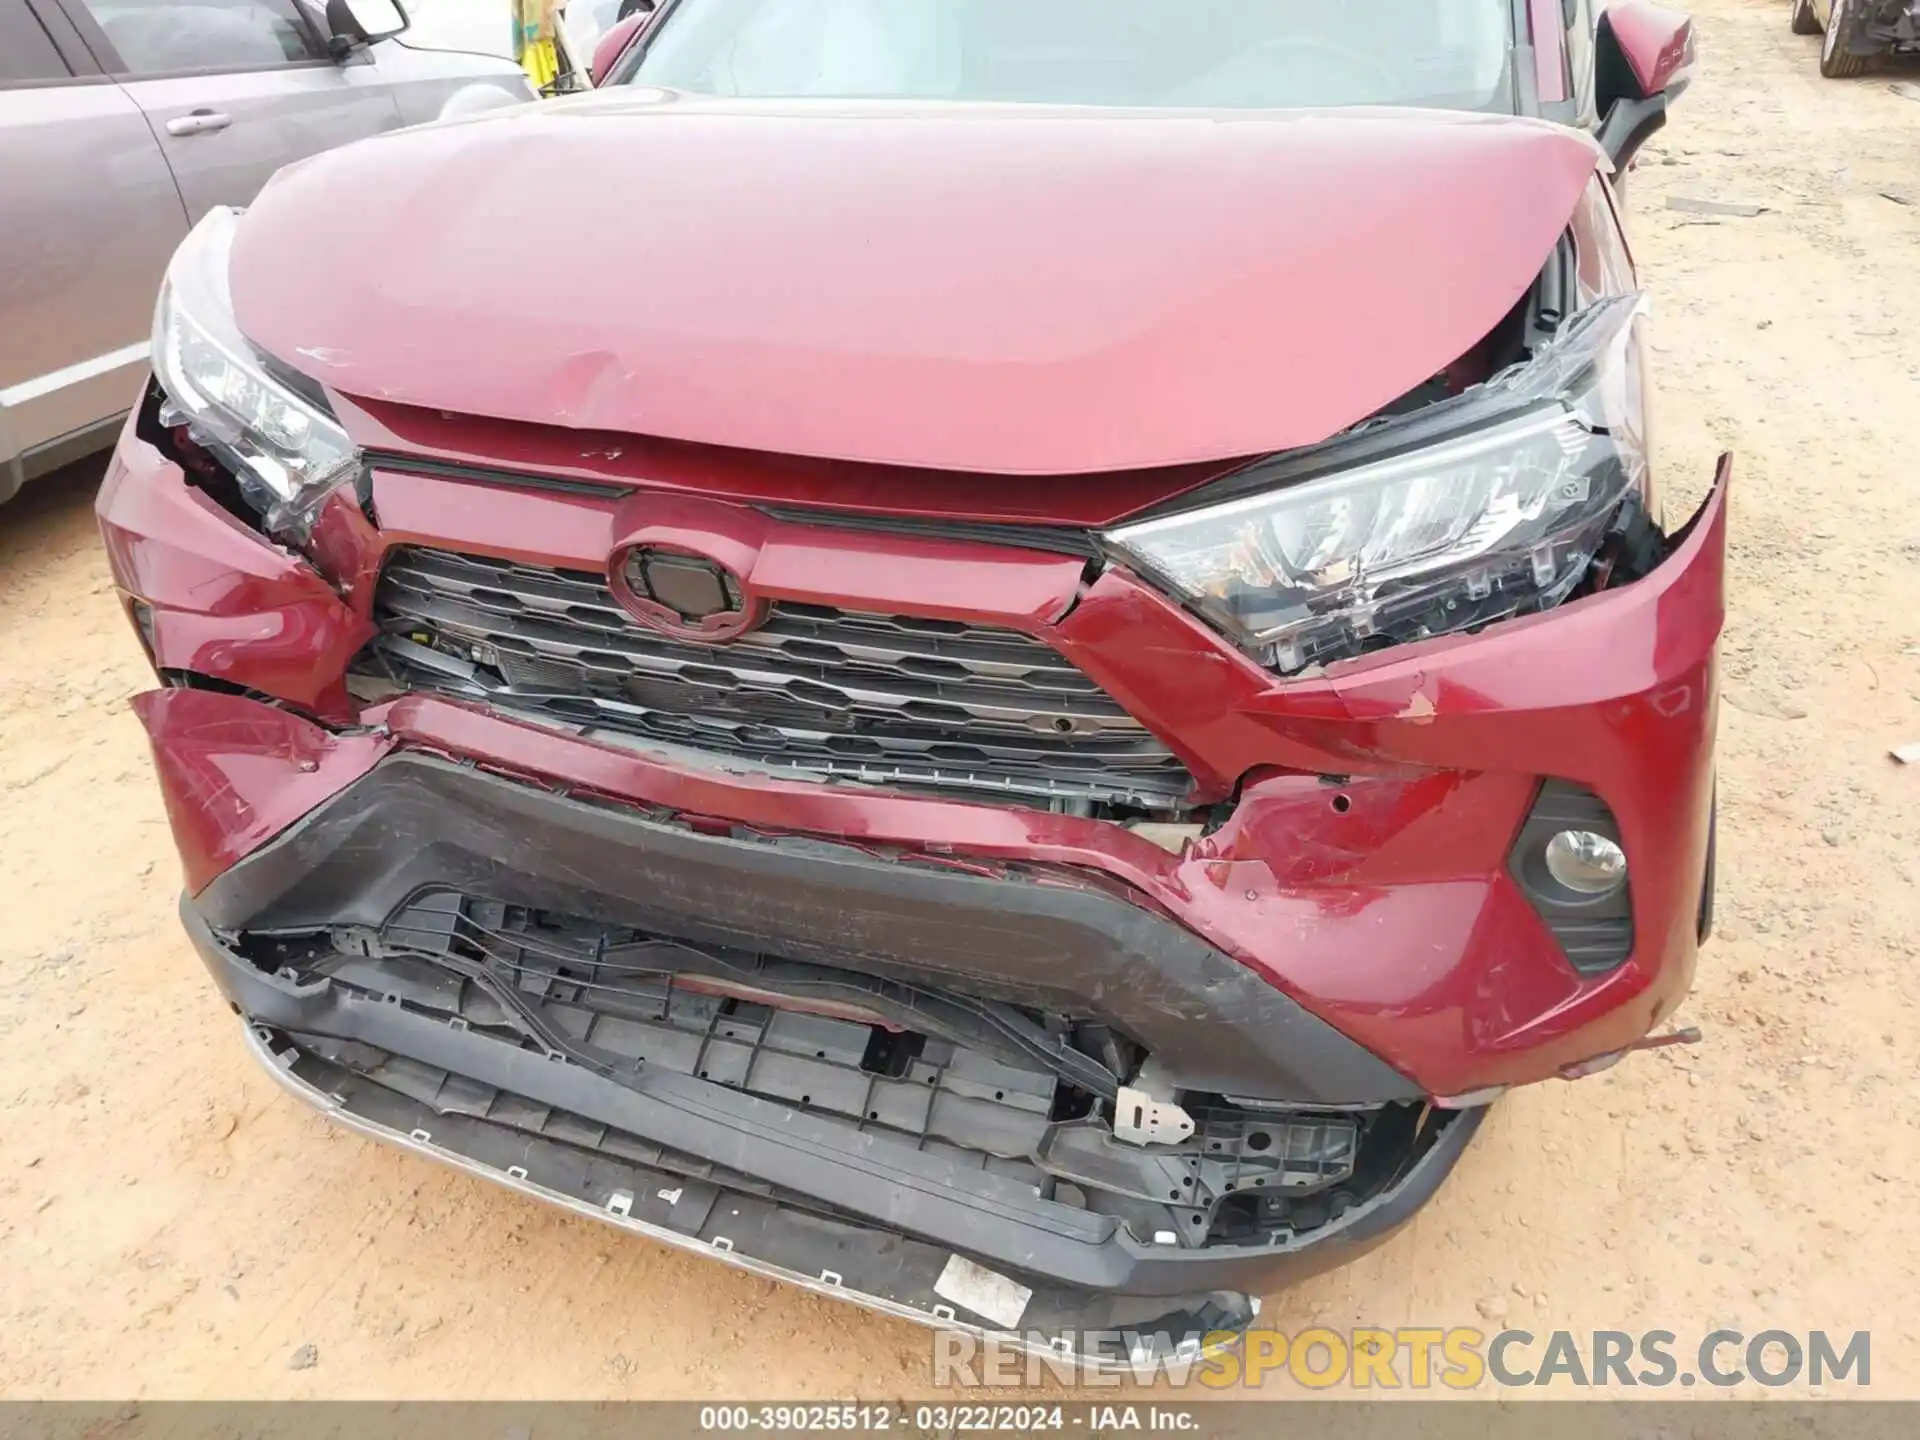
{"x": 613, "y": 44}
{"x": 357, "y": 23}
{"x": 1643, "y": 60}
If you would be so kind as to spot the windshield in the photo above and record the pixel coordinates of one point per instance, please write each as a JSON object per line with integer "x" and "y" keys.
{"x": 1227, "y": 54}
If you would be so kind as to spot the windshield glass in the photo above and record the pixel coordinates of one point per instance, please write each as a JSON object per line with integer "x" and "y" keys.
{"x": 1230, "y": 54}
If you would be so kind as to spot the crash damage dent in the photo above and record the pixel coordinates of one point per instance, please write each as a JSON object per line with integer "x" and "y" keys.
{"x": 1310, "y": 876}
{"x": 234, "y": 773}
{"x": 213, "y": 598}
{"x": 1401, "y": 924}
{"x": 1141, "y": 1071}
{"x": 983, "y": 1156}
{"x": 891, "y": 1275}
{"x": 1023, "y": 359}
{"x": 379, "y": 1014}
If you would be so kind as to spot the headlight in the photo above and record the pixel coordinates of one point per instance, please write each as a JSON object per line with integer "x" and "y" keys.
{"x": 271, "y": 428}
{"x": 1484, "y": 506}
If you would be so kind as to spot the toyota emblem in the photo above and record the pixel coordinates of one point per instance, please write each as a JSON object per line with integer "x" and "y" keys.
{"x": 683, "y": 594}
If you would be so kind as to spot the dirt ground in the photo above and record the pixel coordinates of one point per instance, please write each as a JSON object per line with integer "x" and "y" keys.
{"x": 171, "y": 1226}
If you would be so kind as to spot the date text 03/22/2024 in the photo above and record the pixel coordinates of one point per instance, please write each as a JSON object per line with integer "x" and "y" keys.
{"x": 946, "y": 1419}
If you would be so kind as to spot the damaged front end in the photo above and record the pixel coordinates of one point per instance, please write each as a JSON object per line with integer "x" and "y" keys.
{"x": 847, "y": 1126}
{"x": 1058, "y": 906}
{"x": 1466, "y": 510}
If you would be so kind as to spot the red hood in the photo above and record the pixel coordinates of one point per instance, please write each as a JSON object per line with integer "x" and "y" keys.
{"x": 982, "y": 288}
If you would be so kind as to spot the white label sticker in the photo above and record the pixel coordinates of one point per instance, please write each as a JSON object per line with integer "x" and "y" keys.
{"x": 980, "y": 1290}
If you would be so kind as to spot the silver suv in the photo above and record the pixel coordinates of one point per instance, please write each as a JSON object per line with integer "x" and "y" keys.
{"x": 122, "y": 122}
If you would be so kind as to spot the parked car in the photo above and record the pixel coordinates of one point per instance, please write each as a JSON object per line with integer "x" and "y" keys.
{"x": 587, "y": 20}
{"x": 122, "y": 123}
{"x": 1858, "y": 34}
{"x": 1024, "y": 711}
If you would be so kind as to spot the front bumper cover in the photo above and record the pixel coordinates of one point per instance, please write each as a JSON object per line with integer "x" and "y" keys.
{"x": 1362, "y": 871}
{"x": 1043, "y": 939}
{"x": 1349, "y": 934}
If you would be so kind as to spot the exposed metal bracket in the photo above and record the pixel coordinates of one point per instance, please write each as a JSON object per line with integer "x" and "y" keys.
{"x": 1139, "y": 1119}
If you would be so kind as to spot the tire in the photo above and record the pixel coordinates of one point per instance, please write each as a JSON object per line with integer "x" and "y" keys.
{"x": 1836, "y": 62}
{"x": 1804, "y": 21}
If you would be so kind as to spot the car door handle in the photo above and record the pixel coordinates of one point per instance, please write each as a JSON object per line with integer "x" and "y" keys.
{"x": 200, "y": 122}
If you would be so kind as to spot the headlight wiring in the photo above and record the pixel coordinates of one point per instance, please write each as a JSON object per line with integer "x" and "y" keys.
{"x": 1487, "y": 505}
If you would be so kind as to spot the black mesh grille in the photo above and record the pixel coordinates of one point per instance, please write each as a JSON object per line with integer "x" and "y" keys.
{"x": 919, "y": 703}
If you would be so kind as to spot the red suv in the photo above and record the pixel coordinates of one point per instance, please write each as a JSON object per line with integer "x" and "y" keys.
{"x": 1020, "y": 706}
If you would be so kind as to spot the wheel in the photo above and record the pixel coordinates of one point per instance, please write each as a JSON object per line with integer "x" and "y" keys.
{"x": 1804, "y": 21}
{"x": 1836, "y": 61}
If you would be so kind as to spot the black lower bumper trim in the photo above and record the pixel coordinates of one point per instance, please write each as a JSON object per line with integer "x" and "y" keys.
{"x": 416, "y": 822}
{"x": 877, "y": 1269}
{"x": 892, "y": 1186}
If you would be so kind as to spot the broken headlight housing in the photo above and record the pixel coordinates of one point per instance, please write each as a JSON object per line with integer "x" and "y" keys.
{"x": 1487, "y": 505}
{"x": 270, "y": 427}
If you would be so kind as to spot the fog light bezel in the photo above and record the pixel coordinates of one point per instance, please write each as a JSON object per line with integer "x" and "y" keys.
{"x": 1594, "y": 929}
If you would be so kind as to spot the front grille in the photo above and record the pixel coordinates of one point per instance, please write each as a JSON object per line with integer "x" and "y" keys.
{"x": 825, "y": 694}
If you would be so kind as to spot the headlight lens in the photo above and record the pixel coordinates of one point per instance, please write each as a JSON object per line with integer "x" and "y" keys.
{"x": 1487, "y": 505}
{"x": 271, "y": 428}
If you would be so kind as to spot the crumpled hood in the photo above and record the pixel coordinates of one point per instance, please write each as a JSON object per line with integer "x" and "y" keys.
{"x": 988, "y": 288}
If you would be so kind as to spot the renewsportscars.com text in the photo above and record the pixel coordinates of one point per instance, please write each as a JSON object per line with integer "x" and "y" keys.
{"x": 1416, "y": 1358}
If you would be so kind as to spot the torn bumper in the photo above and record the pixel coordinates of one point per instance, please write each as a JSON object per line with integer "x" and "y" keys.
{"x": 1351, "y": 935}
{"x": 1046, "y": 940}
{"x": 1364, "y": 870}
{"x": 792, "y": 1194}
{"x": 877, "y": 1270}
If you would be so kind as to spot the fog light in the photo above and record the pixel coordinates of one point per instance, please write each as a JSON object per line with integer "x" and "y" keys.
{"x": 1568, "y": 862}
{"x": 1586, "y": 863}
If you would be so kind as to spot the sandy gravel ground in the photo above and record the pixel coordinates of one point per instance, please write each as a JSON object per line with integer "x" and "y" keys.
{"x": 171, "y": 1226}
